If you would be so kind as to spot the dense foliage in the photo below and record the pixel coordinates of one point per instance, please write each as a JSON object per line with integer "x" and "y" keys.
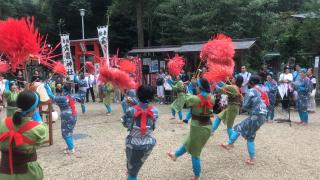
{"x": 164, "y": 22}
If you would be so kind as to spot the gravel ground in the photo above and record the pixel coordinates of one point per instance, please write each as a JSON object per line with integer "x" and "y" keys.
{"x": 283, "y": 152}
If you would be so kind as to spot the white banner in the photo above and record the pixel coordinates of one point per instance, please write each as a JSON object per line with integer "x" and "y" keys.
{"x": 66, "y": 55}
{"x": 316, "y": 62}
{"x": 103, "y": 39}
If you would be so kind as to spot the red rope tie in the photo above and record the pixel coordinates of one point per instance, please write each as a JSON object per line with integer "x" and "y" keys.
{"x": 204, "y": 103}
{"x": 17, "y": 137}
{"x": 143, "y": 114}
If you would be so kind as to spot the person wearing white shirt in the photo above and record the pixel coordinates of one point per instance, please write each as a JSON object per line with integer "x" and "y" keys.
{"x": 91, "y": 81}
{"x": 284, "y": 87}
{"x": 246, "y": 77}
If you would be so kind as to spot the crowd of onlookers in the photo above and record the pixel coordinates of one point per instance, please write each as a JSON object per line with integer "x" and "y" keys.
{"x": 19, "y": 82}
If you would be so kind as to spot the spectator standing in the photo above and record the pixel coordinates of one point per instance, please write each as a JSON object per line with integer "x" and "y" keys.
{"x": 2, "y": 88}
{"x": 167, "y": 88}
{"x": 160, "y": 88}
{"x": 284, "y": 87}
{"x": 20, "y": 80}
{"x": 271, "y": 87}
{"x": 264, "y": 71}
{"x": 312, "y": 101}
{"x": 296, "y": 79}
{"x": 246, "y": 77}
{"x": 36, "y": 76}
{"x": 91, "y": 81}
{"x": 184, "y": 77}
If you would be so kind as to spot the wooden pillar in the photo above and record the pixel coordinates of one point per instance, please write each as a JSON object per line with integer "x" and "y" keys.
{"x": 48, "y": 120}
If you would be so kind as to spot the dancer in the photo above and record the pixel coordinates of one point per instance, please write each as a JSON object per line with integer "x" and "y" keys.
{"x": 130, "y": 99}
{"x": 68, "y": 114}
{"x": 191, "y": 89}
{"x": 81, "y": 94}
{"x": 272, "y": 89}
{"x": 200, "y": 128}
{"x": 108, "y": 97}
{"x": 249, "y": 127}
{"x": 11, "y": 94}
{"x": 178, "y": 104}
{"x": 26, "y": 135}
{"x": 303, "y": 87}
{"x": 228, "y": 115}
{"x": 140, "y": 121}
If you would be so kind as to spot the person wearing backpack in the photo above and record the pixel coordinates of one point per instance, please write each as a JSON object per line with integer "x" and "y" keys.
{"x": 248, "y": 127}
{"x": 303, "y": 87}
{"x": 140, "y": 120}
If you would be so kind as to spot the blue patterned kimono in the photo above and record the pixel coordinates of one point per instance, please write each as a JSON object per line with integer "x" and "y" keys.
{"x": 249, "y": 127}
{"x": 258, "y": 112}
{"x": 81, "y": 95}
{"x": 303, "y": 87}
{"x": 131, "y": 93}
{"x": 68, "y": 120}
{"x": 272, "y": 89}
{"x": 138, "y": 146}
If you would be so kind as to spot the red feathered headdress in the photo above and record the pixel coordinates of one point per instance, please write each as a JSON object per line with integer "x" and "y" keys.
{"x": 18, "y": 39}
{"x": 127, "y": 65}
{"x": 175, "y": 65}
{"x": 116, "y": 77}
{"x": 218, "y": 53}
{"x": 90, "y": 67}
{"x": 20, "y": 42}
{"x": 59, "y": 68}
{"x": 4, "y": 67}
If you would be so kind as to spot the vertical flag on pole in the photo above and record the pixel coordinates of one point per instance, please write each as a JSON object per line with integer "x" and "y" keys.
{"x": 66, "y": 55}
{"x": 103, "y": 39}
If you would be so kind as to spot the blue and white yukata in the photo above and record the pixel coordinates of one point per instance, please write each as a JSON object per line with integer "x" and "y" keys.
{"x": 139, "y": 145}
{"x": 303, "y": 87}
{"x": 81, "y": 95}
{"x": 248, "y": 127}
{"x": 131, "y": 93}
{"x": 272, "y": 90}
{"x": 68, "y": 118}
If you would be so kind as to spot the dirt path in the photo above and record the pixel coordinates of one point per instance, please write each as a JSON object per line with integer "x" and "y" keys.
{"x": 283, "y": 152}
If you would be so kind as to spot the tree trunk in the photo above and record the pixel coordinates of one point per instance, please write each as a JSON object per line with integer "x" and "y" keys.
{"x": 140, "y": 23}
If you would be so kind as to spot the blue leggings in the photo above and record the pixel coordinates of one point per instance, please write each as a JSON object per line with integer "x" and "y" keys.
{"x": 132, "y": 178}
{"x": 304, "y": 117}
{"x": 173, "y": 112}
{"x": 250, "y": 143}
{"x": 69, "y": 142}
{"x": 196, "y": 163}
{"x": 216, "y": 124}
{"x": 109, "y": 109}
{"x": 83, "y": 108}
{"x": 188, "y": 116}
